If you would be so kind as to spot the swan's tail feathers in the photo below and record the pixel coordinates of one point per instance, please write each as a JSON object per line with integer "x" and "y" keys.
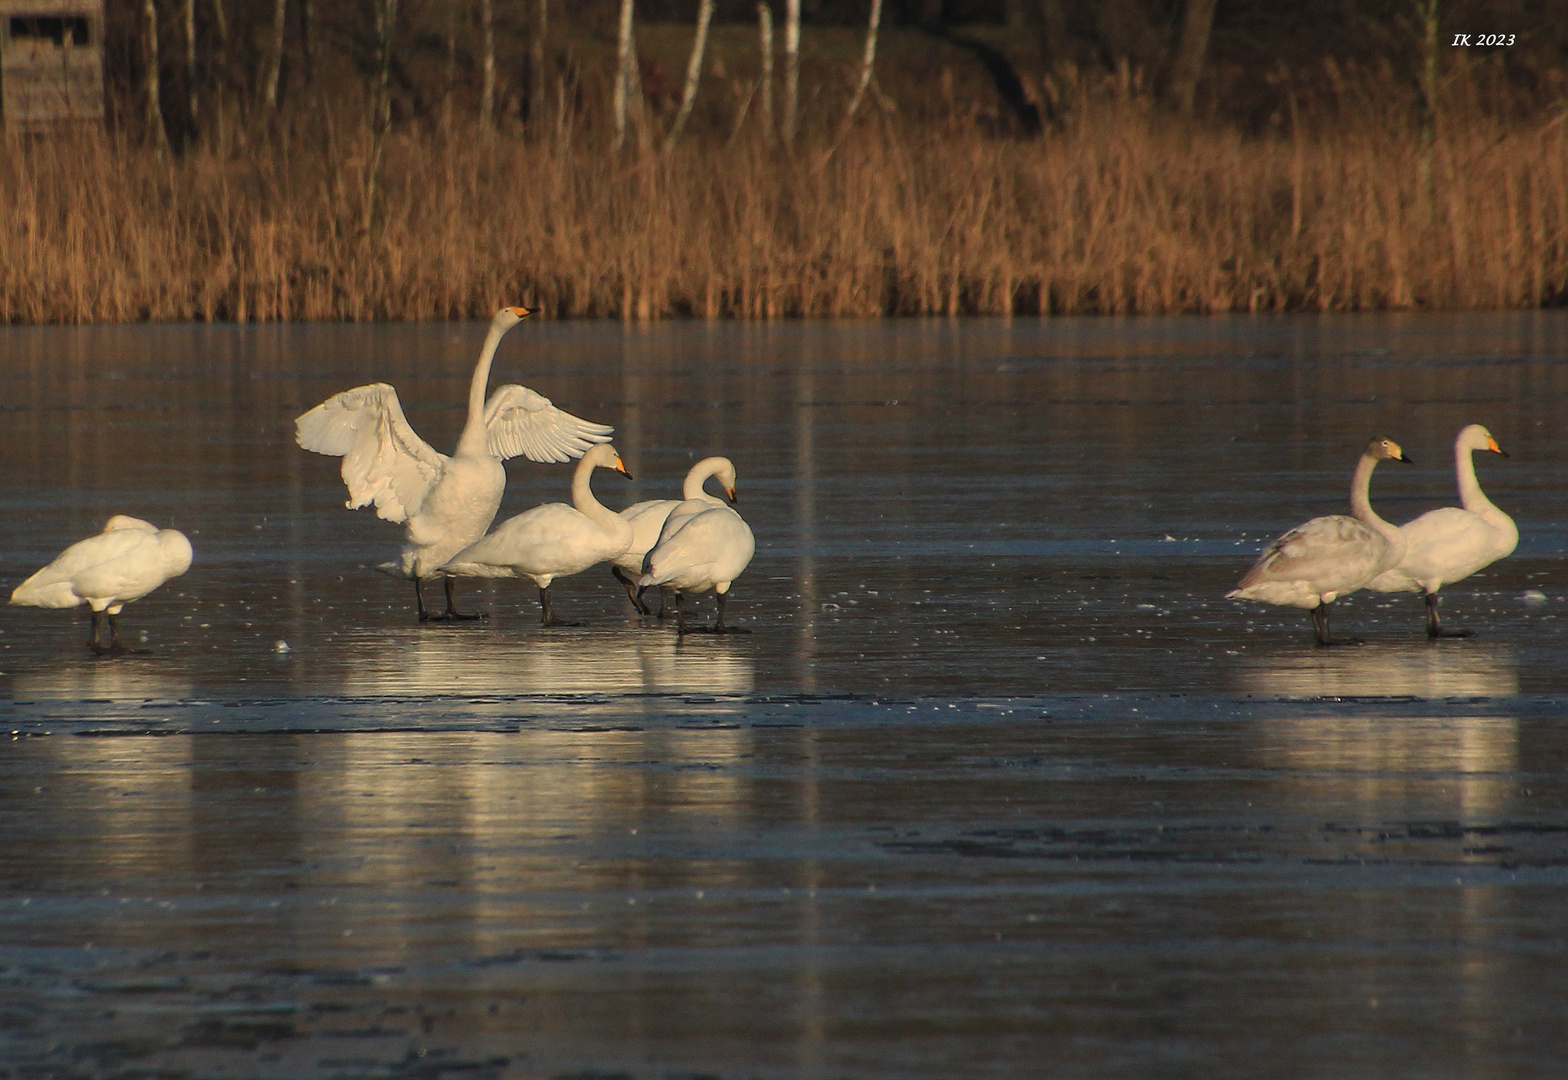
{"x": 45, "y": 594}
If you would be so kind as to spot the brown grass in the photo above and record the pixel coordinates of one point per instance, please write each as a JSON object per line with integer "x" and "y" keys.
{"x": 1121, "y": 212}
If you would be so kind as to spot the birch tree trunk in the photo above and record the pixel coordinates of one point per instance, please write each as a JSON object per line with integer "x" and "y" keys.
{"x": 693, "y": 74}
{"x": 627, "y": 105}
{"x": 791, "y": 69}
{"x": 765, "y": 29}
{"x": 307, "y": 13}
{"x": 1192, "y": 46}
{"x": 191, "y": 102}
{"x": 867, "y": 60}
{"x": 487, "y": 64}
{"x": 152, "y": 115}
{"x": 536, "y": 55}
{"x": 381, "y": 106}
{"x": 275, "y": 54}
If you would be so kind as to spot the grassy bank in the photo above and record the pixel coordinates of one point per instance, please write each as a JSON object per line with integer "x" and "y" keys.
{"x": 1120, "y": 211}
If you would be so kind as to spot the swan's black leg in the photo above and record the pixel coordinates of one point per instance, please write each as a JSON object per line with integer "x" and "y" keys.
{"x": 664, "y": 602}
{"x": 419, "y": 602}
{"x": 1320, "y": 628}
{"x": 92, "y": 638}
{"x": 1434, "y": 625}
{"x": 116, "y": 646}
{"x": 452, "y": 614}
{"x": 719, "y": 627}
{"x": 632, "y": 591}
{"x": 680, "y": 612}
{"x": 549, "y": 618}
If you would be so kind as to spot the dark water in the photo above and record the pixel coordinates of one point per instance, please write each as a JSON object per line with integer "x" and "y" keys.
{"x": 1000, "y": 779}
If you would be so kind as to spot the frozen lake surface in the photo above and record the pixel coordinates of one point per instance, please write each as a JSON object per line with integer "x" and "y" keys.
{"x": 999, "y": 779}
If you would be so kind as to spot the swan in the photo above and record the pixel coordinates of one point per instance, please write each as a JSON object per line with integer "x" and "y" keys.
{"x": 125, "y": 562}
{"x": 553, "y": 540}
{"x": 1331, "y": 556}
{"x": 447, "y": 502}
{"x": 1448, "y": 544}
{"x": 700, "y": 548}
{"x": 647, "y": 520}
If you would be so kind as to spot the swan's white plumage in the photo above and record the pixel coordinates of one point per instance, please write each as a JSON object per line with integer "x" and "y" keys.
{"x": 1449, "y": 544}
{"x": 648, "y": 518}
{"x": 446, "y": 501}
{"x": 706, "y": 549}
{"x": 125, "y": 562}
{"x": 553, "y": 540}
{"x": 1330, "y": 556}
{"x": 1315, "y": 563}
{"x": 385, "y": 462}
{"x": 520, "y": 422}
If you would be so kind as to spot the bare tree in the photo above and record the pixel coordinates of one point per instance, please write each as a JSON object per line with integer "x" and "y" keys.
{"x": 791, "y": 69}
{"x": 536, "y": 55}
{"x": 765, "y": 28}
{"x": 1192, "y": 46}
{"x": 693, "y": 73}
{"x": 627, "y": 103}
{"x": 191, "y": 102}
{"x": 275, "y": 54}
{"x": 487, "y": 63}
{"x": 867, "y": 60}
{"x": 152, "y": 116}
{"x": 307, "y": 27}
{"x": 381, "y": 106}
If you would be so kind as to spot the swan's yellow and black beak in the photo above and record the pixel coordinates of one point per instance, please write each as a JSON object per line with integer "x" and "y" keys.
{"x": 734, "y": 496}
{"x": 620, "y": 467}
{"x": 1491, "y": 444}
{"x": 523, "y": 312}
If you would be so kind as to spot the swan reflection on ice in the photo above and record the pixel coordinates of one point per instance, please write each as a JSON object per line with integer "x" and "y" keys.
{"x": 1418, "y": 670}
{"x": 129, "y": 683}
{"x": 607, "y": 664}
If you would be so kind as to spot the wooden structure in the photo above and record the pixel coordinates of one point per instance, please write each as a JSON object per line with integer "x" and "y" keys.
{"x": 51, "y": 63}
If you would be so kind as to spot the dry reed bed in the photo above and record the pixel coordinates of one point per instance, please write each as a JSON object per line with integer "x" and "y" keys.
{"x": 1117, "y": 215}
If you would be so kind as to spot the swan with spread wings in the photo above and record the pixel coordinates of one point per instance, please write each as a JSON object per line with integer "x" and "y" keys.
{"x": 446, "y": 502}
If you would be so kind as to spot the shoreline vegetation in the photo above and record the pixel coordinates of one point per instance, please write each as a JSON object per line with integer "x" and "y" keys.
{"x": 1115, "y": 207}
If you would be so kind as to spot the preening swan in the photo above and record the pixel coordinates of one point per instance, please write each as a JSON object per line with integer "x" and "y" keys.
{"x": 125, "y": 562}
{"x": 700, "y": 548}
{"x": 553, "y": 540}
{"x": 1448, "y": 544}
{"x": 1331, "y": 556}
{"x": 448, "y": 502}
{"x": 647, "y": 520}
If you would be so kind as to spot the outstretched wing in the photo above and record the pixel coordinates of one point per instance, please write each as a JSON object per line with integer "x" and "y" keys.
{"x": 384, "y": 461}
{"x": 520, "y": 421}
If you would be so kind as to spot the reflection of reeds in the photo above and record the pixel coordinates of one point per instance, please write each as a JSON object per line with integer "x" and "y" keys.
{"x": 1121, "y": 212}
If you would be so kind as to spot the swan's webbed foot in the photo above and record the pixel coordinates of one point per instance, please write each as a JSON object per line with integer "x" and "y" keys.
{"x": 561, "y": 622}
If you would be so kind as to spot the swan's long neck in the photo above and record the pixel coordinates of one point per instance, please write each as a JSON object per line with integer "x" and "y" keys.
{"x": 692, "y": 488}
{"x": 1471, "y": 497}
{"x": 473, "y": 439}
{"x": 1361, "y": 498}
{"x": 583, "y": 499}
